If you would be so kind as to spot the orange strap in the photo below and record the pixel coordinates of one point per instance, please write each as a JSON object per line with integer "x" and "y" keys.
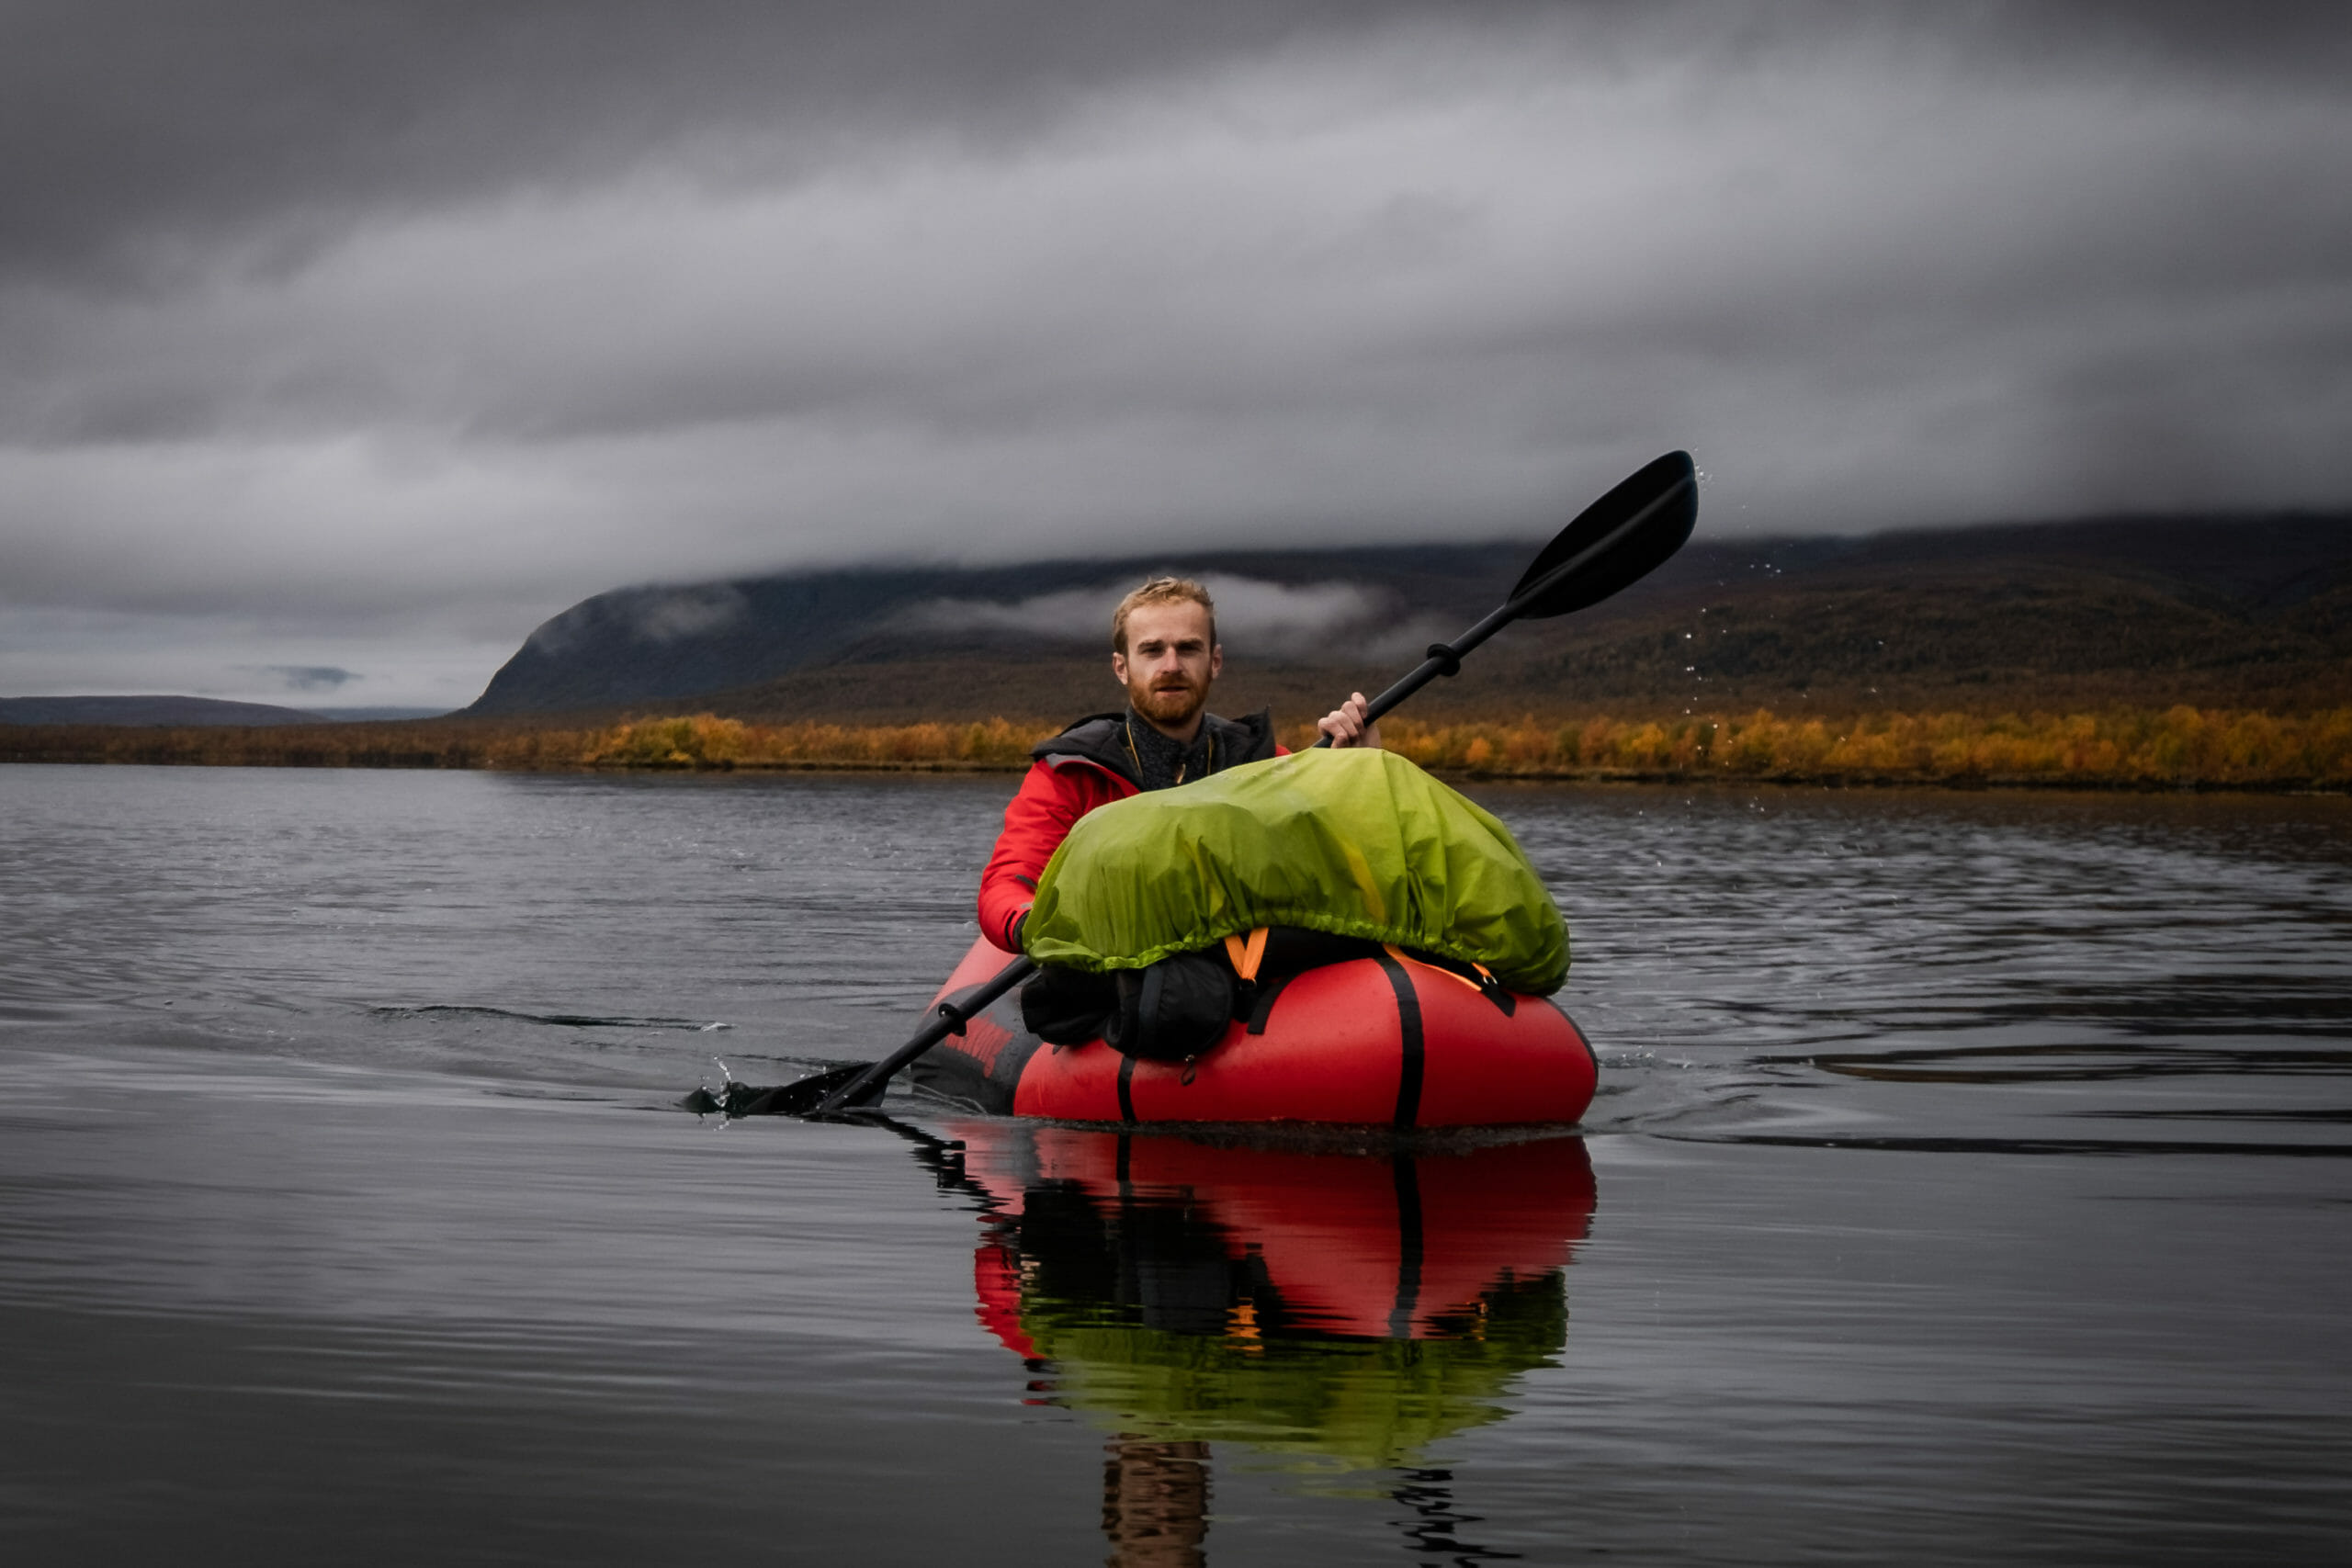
{"x": 1401, "y": 956}
{"x": 1247, "y": 955}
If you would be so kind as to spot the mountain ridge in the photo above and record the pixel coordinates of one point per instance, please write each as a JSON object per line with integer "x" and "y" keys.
{"x": 2252, "y": 610}
{"x": 154, "y": 710}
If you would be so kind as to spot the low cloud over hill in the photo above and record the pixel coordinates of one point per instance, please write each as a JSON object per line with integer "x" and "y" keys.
{"x": 2250, "y": 612}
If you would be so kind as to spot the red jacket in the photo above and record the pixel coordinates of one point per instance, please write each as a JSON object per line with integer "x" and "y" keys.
{"x": 1083, "y": 767}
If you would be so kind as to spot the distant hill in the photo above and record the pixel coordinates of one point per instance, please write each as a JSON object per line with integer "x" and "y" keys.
{"x": 153, "y": 710}
{"x": 2240, "y": 611}
{"x": 633, "y": 645}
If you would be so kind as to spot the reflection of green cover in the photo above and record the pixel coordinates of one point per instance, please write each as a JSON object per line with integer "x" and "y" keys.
{"x": 1353, "y": 842}
{"x": 1368, "y": 1404}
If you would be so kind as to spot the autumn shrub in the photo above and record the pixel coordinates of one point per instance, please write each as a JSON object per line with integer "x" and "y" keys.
{"x": 704, "y": 742}
{"x": 2124, "y": 747}
{"x": 2180, "y": 746}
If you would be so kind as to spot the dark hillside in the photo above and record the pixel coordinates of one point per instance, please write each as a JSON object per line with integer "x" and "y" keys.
{"x": 2245, "y": 612}
{"x": 2253, "y": 613}
{"x": 633, "y": 645}
{"x": 146, "y": 711}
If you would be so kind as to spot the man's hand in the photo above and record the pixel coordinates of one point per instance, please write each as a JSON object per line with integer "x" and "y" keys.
{"x": 1346, "y": 726}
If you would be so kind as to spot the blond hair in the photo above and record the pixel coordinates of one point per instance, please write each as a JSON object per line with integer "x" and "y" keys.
{"x": 1161, "y": 590}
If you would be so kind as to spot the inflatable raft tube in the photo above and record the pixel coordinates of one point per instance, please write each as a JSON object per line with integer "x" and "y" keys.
{"x": 1383, "y": 1040}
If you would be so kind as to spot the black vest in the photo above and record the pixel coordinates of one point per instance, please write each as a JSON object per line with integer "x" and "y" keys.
{"x": 1102, "y": 738}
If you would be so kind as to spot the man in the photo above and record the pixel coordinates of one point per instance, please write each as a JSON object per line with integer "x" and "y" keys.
{"x": 1164, "y": 651}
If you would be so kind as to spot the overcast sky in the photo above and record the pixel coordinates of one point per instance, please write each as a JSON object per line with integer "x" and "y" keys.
{"x": 342, "y": 343}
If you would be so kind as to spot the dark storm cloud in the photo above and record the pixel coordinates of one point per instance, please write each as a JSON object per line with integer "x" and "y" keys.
{"x": 327, "y": 326}
{"x": 129, "y": 127}
{"x": 126, "y": 125}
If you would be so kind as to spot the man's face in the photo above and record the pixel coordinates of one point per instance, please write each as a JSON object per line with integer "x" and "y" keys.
{"x": 1170, "y": 662}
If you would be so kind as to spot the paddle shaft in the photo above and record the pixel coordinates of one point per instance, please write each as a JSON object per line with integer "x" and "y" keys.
{"x": 953, "y": 1016}
{"x": 1445, "y": 657}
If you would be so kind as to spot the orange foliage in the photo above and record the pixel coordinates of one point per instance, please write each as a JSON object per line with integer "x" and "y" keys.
{"x": 2123, "y": 747}
{"x": 705, "y": 742}
{"x": 2127, "y": 748}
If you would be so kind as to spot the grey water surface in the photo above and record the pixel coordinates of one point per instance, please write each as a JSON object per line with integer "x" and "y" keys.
{"x": 1968, "y": 1184}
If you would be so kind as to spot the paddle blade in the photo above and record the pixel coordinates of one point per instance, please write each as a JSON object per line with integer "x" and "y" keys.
{"x": 1654, "y": 512}
{"x": 797, "y": 1099}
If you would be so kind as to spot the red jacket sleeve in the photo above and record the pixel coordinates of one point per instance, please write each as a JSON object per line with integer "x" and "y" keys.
{"x": 1050, "y": 801}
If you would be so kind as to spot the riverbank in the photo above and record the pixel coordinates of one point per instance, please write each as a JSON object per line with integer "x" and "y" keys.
{"x": 2121, "y": 748}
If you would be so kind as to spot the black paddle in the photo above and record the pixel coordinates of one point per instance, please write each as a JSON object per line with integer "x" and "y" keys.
{"x": 862, "y": 1083}
{"x": 1612, "y": 544}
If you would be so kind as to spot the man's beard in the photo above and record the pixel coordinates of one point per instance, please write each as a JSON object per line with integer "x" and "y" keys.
{"x": 1172, "y": 704}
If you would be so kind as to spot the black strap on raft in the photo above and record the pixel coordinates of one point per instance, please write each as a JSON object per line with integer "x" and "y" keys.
{"x": 1475, "y": 976}
{"x": 1409, "y": 1043}
{"x": 1127, "y": 1089}
{"x": 1496, "y": 992}
{"x": 1261, "y": 1006}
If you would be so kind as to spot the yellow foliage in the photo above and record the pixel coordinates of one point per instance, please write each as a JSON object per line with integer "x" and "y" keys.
{"x": 705, "y": 742}
{"x": 2129, "y": 747}
{"x": 2123, "y": 747}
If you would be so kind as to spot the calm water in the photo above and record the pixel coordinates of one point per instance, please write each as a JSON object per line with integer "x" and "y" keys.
{"x": 1968, "y": 1184}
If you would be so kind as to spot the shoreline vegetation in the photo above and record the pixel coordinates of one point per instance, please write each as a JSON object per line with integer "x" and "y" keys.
{"x": 2181, "y": 747}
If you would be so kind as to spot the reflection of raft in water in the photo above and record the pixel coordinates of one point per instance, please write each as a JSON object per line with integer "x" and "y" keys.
{"x": 1384, "y": 1041}
{"x": 1354, "y": 1308}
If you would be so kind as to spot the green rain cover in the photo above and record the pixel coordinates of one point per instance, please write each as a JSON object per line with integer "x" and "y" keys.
{"x": 1355, "y": 843}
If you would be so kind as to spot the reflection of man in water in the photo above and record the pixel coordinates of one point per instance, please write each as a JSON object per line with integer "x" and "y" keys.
{"x": 1156, "y": 1503}
{"x": 1354, "y": 1312}
{"x": 1164, "y": 651}
{"x": 1165, "y": 1320}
